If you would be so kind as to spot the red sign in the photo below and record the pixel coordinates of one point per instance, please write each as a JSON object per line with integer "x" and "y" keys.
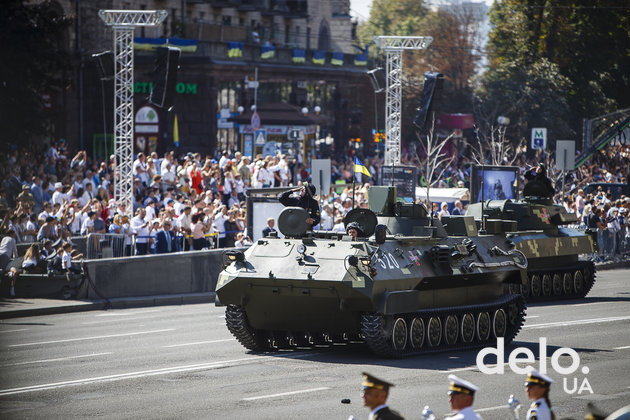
{"x": 255, "y": 121}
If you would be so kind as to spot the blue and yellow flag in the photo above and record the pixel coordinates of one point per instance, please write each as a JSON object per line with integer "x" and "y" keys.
{"x": 267, "y": 51}
{"x": 235, "y": 49}
{"x": 337, "y": 59}
{"x": 319, "y": 57}
{"x": 359, "y": 169}
{"x": 299, "y": 56}
{"x": 176, "y": 132}
{"x": 360, "y": 60}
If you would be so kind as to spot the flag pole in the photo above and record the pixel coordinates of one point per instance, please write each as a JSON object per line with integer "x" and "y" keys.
{"x": 354, "y": 177}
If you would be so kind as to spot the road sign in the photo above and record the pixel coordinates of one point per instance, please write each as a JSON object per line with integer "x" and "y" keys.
{"x": 260, "y": 137}
{"x": 320, "y": 174}
{"x": 539, "y": 138}
{"x": 565, "y": 155}
{"x": 295, "y": 134}
{"x": 255, "y": 121}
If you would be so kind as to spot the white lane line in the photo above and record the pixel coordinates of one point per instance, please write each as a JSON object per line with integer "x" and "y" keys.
{"x": 153, "y": 372}
{"x": 577, "y": 322}
{"x": 466, "y": 369}
{"x": 621, "y": 348}
{"x": 8, "y": 331}
{"x": 199, "y": 342}
{"x": 113, "y": 314}
{"x": 491, "y": 408}
{"x": 282, "y": 394}
{"x": 91, "y": 338}
{"x": 532, "y": 316}
{"x": 104, "y": 321}
{"x": 132, "y": 375}
{"x": 60, "y": 359}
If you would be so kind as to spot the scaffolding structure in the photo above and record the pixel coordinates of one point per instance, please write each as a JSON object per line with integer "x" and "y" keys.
{"x": 394, "y": 47}
{"x": 124, "y": 22}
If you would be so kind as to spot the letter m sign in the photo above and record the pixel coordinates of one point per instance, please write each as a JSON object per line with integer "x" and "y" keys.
{"x": 539, "y": 138}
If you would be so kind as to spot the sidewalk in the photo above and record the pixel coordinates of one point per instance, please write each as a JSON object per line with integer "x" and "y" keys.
{"x": 14, "y": 308}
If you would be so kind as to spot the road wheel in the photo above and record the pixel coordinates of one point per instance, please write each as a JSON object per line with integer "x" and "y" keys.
{"x": 483, "y": 326}
{"x": 399, "y": 334}
{"x": 578, "y": 282}
{"x": 416, "y": 333}
{"x": 567, "y": 283}
{"x": 557, "y": 284}
{"x": 546, "y": 285}
{"x": 434, "y": 332}
{"x": 526, "y": 288}
{"x": 451, "y": 329}
{"x": 499, "y": 323}
{"x": 536, "y": 285}
{"x": 468, "y": 328}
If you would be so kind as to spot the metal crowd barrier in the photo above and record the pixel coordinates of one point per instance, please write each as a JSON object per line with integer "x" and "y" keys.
{"x": 105, "y": 245}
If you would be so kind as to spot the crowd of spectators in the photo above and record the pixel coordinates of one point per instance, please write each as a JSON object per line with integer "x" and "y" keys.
{"x": 191, "y": 202}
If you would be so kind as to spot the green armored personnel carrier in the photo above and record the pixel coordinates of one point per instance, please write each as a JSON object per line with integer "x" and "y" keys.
{"x": 404, "y": 287}
{"x": 536, "y": 227}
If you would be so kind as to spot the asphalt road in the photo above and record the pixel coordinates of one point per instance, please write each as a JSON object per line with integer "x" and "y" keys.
{"x": 181, "y": 362}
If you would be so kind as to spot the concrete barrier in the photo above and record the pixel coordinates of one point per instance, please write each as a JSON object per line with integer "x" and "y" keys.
{"x": 163, "y": 274}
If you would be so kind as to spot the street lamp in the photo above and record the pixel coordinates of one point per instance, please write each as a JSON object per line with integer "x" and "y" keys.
{"x": 253, "y": 108}
{"x": 305, "y": 111}
{"x": 317, "y": 109}
{"x": 240, "y": 109}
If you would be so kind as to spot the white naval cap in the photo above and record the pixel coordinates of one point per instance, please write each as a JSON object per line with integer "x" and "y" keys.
{"x": 536, "y": 378}
{"x": 461, "y": 386}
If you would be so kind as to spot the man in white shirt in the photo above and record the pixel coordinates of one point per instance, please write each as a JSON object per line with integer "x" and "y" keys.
{"x": 141, "y": 169}
{"x": 59, "y": 196}
{"x": 184, "y": 223}
{"x": 141, "y": 229}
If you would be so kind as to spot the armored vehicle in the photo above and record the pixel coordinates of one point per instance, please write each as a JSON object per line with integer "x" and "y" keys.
{"x": 404, "y": 287}
{"x": 535, "y": 226}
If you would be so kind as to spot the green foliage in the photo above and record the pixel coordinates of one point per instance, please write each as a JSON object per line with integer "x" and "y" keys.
{"x": 571, "y": 59}
{"x": 34, "y": 64}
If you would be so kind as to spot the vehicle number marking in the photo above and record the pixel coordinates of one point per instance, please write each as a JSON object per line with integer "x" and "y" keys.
{"x": 388, "y": 261}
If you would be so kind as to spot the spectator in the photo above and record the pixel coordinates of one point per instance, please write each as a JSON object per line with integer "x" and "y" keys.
{"x": 444, "y": 211}
{"x": 184, "y": 222}
{"x": 153, "y": 231}
{"x": 220, "y": 217}
{"x": 141, "y": 169}
{"x": 65, "y": 252}
{"x": 269, "y": 228}
{"x": 165, "y": 239}
{"x": 8, "y": 249}
{"x": 140, "y": 228}
{"x": 48, "y": 230}
{"x": 231, "y": 229}
{"x": 33, "y": 259}
{"x": 242, "y": 240}
{"x": 88, "y": 224}
{"x": 458, "y": 210}
{"x": 198, "y": 232}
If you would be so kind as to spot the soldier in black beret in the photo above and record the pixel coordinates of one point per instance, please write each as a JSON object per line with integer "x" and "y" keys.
{"x": 305, "y": 200}
{"x": 375, "y": 393}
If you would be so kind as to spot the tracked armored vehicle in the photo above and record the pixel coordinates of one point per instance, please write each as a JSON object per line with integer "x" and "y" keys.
{"x": 403, "y": 288}
{"x": 537, "y": 227}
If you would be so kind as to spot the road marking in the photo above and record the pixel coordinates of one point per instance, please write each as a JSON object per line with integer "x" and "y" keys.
{"x": 621, "y": 348}
{"x": 532, "y": 316}
{"x": 479, "y": 410}
{"x": 60, "y": 359}
{"x": 199, "y": 342}
{"x": 8, "y": 331}
{"x": 282, "y": 394}
{"x": 577, "y": 322}
{"x": 146, "y": 373}
{"x": 111, "y": 314}
{"x": 103, "y": 321}
{"x": 91, "y": 338}
{"x": 466, "y": 369}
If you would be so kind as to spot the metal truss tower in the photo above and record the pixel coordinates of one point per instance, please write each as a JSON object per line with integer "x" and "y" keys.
{"x": 124, "y": 22}
{"x": 394, "y": 46}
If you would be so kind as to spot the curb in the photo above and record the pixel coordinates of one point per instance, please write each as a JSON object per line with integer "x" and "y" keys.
{"x": 98, "y": 304}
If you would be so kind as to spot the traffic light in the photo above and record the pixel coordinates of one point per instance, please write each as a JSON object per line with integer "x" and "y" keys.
{"x": 165, "y": 76}
{"x": 379, "y": 137}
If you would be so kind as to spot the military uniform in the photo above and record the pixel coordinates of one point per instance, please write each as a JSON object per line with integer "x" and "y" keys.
{"x": 381, "y": 412}
{"x": 539, "y": 410}
{"x": 460, "y": 386}
{"x": 306, "y": 201}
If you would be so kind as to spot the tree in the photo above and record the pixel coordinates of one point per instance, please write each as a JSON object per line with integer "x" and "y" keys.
{"x": 569, "y": 54}
{"x": 34, "y": 64}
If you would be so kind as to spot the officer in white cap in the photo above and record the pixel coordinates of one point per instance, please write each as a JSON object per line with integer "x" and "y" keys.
{"x": 537, "y": 388}
{"x": 461, "y": 395}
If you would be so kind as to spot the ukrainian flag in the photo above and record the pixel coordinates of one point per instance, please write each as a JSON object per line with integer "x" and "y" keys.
{"x": 235, "y": 49}
{"x": 360, "y": 169}
{"x": 319, "y": 57}
{"x": 337, "y": 59}
{"x": 267, "y": 51}
{"x": 360, "y": 60}
{"x": 299, "y": 56}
